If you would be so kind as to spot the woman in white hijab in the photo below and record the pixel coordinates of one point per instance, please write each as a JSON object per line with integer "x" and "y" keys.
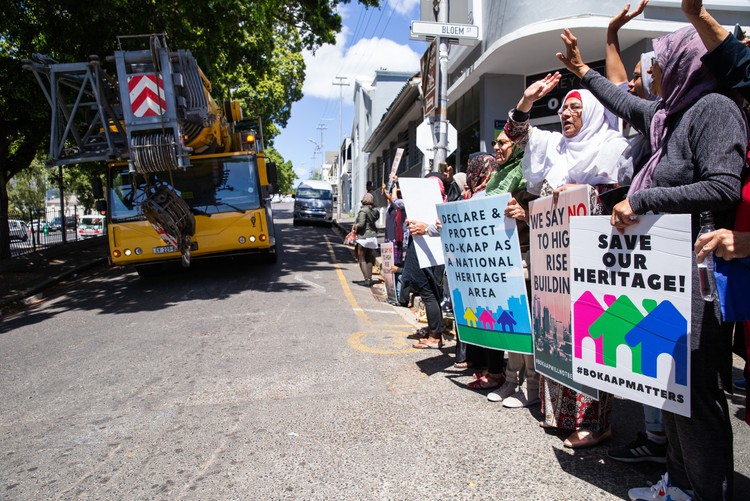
{"x": 590, "y": 150}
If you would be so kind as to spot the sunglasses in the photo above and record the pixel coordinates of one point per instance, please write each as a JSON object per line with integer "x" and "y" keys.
{"x": 501, "y": 143}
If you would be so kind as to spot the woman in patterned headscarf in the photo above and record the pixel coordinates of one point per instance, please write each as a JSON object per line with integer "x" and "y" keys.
{"x": 479, "y": 171}
{"x": 698, "y": 139}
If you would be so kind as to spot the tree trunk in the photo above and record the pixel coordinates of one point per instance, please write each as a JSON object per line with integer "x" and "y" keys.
{"x": 10, "y": 165}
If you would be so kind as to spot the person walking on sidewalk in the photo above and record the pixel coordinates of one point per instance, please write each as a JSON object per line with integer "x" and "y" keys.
{"x": 367, "y": 238}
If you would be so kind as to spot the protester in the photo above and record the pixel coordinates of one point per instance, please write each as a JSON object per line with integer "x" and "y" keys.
{"x": 590, "y": 150}
{"x": 651, "y": 445}
{"x": 521, "y": 387}
{"x": 727, "y": 58}
{"x": 367, "y": 241}
{"x": 689, "y": 173}
{"x": 480, "y": 169}
{"x": 426, "y": 282}
{"x": 395, "y": 226}
{"x": 729, "y": 61}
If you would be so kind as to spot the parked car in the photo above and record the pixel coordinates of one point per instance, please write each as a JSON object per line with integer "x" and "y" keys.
{"x": 56, "y": 224}
{"x": 18, "y": 230}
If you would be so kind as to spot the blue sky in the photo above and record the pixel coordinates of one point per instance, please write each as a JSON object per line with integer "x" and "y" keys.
{"x": 371, "y": 39}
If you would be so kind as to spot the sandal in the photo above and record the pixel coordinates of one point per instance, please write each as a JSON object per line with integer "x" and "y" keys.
{"x": 580, "y": 439}
{"x": 486, "y": 383}
{"x": 424, "y": 345}
{"x": 463, "y": 365}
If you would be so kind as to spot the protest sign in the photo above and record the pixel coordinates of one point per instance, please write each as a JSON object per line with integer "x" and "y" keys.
{"x": 550, "y": 284}
{"x": 485, "y": 274}
{"x": 421, "y": 195}
{"x": 386, "y": 271}
{"x": 631, "y": 308}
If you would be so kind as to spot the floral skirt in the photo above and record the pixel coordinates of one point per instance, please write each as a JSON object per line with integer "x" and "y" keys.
{"x": 570, "y": 410}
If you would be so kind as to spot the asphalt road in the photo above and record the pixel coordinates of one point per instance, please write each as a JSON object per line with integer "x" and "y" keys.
{"x": 242, "y": 381}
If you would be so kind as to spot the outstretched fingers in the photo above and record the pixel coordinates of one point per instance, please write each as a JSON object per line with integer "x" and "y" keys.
{"x": 572, "y": 58}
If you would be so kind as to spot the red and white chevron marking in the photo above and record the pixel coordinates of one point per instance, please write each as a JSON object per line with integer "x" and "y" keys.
{"x": 147, "y": 95}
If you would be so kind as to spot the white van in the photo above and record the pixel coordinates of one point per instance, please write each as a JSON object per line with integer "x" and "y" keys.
{"x": 91, "y": 226}
{"x": 313, "y": 202}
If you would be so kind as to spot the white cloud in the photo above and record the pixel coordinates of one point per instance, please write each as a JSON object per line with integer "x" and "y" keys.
{"x": 403, "y": 7}
{"x": 358, "y": 61}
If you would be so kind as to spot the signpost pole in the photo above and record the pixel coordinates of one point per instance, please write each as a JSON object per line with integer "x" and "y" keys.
{"x": 441, "y": 125}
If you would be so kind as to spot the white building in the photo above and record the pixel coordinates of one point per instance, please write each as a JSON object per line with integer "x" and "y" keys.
{"x": 371, "y": 101}
{"x": 517, "y": 43}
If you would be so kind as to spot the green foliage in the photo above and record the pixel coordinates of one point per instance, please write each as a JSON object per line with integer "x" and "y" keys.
{"x": 252, "y": 46}
{"x": 77, "y": 181}
{"x": 317, "y": 176}
{"x": 284, "y": 169}
{"x": 27, "y": 192}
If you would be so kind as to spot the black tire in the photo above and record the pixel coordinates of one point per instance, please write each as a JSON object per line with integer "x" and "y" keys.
{"x": 295, "y": 222}
{"x": 272, "y": 255}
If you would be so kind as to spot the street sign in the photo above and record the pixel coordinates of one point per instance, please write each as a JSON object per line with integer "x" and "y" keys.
{"x": 421, "y": 29}
{"x": 429, "y": 67}
{"x": 427, "y": 135}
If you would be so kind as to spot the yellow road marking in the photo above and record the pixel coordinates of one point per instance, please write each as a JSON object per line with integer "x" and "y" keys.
{"x": 355, "y": 340}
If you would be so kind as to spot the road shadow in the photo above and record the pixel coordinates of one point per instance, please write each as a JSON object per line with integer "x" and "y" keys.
{"x": 119, "y": 290}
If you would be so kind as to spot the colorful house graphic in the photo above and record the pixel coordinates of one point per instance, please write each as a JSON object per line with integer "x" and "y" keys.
{"x": 672, "y": 339}
{"x": 506, "y": 321}
{"x": 487, "y": 320}
{"x": 662, "y": 330}
{"x": 470, "y": 317}
{"x": 616, "y": 322}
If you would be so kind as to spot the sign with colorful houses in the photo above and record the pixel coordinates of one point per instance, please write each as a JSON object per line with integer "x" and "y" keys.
{"x": 631, "y": 308}
{"x": 485, "y": 274}
{"x": 550, "y": 283}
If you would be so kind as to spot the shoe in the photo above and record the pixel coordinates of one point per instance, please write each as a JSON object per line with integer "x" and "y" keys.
{"x": 640, "y": 449}
{"x": 424, "y": 345}
{"x": 580, "y": 439}
{"x": 521, "y": 399}
{"x": 739, "y": 384}
{"x": 506, "y": 390}
{"x": 661, "y": 490}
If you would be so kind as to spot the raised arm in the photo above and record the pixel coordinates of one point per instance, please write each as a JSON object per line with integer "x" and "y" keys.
{"x": 616, "y": 72}
{"x": 537, "y": 90}
{"x": 709, "y": 29}
{"x": 635, "y": 110}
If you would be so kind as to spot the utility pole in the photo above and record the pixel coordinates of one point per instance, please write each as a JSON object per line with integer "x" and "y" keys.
{"x": 321, "y": 145}
{"x": 441, "y": 125}
{"x": 341, "y": 85}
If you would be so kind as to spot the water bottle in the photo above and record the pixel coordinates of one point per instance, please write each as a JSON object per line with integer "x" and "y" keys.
{"x": 706, "y": 268}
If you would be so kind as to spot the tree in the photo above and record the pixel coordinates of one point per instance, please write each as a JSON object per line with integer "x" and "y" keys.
{"x": 252, "y": 46}
{"x": 286, "y": 174}
{"x": 27, "y": 192}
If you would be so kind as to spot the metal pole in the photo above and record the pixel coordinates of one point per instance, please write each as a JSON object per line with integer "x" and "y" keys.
{"x": 341, "y": 85}
{"x": 441, "y": 124}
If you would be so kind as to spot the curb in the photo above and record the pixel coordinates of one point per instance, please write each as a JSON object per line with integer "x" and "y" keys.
{"x": 38, "y": 259}
{"x": 26, "y": 296}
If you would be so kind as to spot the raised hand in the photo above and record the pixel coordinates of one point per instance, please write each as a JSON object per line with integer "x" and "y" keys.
{"x": 572, "y": 58}
{"x": 625, "y": 16}
{"x": 542, "y": 87}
